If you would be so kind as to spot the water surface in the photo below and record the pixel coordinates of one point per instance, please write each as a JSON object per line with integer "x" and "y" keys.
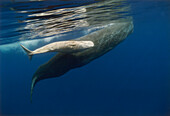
{"x": 130, "y": 80}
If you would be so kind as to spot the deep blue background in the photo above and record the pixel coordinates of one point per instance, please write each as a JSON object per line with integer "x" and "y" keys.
{"x": 130, "y": 80}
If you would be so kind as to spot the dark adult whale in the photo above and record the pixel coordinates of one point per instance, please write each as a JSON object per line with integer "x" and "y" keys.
{"x": 104, "y": 40}
{"x": 111, "y": 15}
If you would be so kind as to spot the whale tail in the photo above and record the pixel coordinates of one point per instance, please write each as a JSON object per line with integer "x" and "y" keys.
{"x": 29, "y": 52}
{"x": 34, "y": 81}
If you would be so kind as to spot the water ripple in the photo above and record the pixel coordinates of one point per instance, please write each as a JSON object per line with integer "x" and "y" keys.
{"x": 39, "y": 19}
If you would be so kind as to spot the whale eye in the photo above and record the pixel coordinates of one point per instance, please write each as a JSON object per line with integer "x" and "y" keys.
{"x": 51, "y": 48}
{"x": 73, "y": 45}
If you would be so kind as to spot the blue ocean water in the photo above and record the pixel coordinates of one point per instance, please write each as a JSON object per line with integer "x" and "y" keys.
{"x": 130, "y": 80}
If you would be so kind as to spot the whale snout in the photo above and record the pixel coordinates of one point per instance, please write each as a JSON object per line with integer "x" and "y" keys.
{"x": 91, "y": 44}
{"x": 88, "y": 44}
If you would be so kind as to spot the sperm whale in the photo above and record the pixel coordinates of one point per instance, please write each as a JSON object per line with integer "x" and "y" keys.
{"x": 104, "y": 40}
{"x": 61, "y": 46}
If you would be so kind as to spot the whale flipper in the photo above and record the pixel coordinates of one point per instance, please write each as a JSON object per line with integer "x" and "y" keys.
{"x": 29, "y": 52}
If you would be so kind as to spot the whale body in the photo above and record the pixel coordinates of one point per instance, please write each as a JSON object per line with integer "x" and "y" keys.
{"x": 115, "y": 29}
{"x": 104, "y": 40}
{"x": 61, "y": 46}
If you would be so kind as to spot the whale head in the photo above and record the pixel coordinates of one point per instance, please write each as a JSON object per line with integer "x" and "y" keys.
{"x": 73, "y": 46}
{"x": 85, "y": 44}
{"x": 77, "y": 46}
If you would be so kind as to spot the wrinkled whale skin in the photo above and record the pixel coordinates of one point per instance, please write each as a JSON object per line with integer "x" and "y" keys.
{"x": 104, "y": 40}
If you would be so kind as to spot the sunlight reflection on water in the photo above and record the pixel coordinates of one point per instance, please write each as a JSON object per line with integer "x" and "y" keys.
{"x": 37, "y": 19}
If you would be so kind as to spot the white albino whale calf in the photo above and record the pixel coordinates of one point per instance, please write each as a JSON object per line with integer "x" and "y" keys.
{"x": 61, "y": 46}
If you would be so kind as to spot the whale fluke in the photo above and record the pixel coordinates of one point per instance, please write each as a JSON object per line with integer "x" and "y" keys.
{"x": 32, "y": 86}
{"x": 29, "y": 52}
